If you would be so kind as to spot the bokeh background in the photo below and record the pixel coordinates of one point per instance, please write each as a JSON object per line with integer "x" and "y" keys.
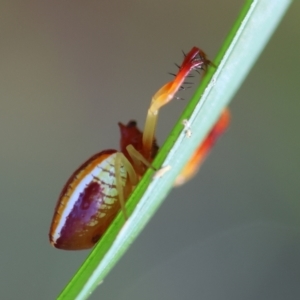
{"x": 70, "y": 70}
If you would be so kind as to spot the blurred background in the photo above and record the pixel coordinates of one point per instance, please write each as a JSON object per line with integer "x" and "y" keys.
{"x": 70, "y": 71}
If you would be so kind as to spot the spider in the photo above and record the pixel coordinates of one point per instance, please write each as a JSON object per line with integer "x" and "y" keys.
{"x": 99, "y": 188}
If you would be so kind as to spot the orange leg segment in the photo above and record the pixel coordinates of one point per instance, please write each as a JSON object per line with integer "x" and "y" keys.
{"x": 200, "y": 154}
{"x": 195, "y": 59}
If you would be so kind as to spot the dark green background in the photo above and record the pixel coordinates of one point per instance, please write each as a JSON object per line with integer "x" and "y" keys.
{"x": 69, "y": 71}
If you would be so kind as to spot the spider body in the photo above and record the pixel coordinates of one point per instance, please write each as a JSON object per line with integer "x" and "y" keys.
{"x": 99, "y": 188}
{"x": 90, "y": 199}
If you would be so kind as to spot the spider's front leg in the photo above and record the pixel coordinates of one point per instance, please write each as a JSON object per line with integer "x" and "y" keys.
{"x": 194, "y": 60}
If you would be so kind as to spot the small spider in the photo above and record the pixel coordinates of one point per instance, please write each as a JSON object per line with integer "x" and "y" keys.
{"x": 99, "y": 188}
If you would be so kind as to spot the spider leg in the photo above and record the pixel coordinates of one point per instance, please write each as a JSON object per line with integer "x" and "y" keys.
{"x": 193, "y": 165}
{"x": 122, "y": 162}
{"x": 195, "y": 59}
{"x": 134, "y": 171}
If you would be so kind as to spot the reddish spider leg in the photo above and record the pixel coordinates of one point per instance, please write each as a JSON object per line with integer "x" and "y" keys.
{"x": 193, "y": 165}
{"x": 195, "y": 59}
